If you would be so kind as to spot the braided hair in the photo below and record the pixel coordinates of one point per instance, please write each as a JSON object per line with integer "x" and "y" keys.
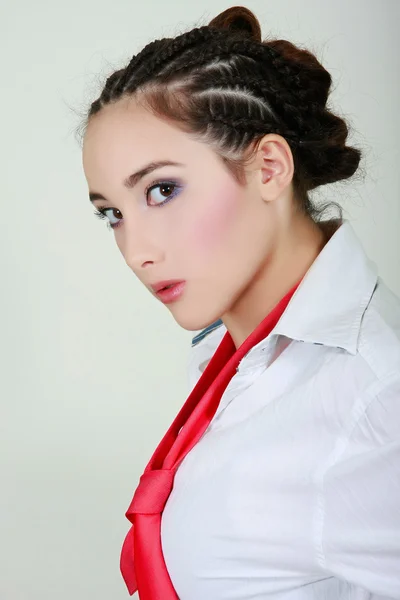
{"x": 227, "y": 87}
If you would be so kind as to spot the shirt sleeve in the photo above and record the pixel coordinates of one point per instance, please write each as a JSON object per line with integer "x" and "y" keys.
{"x": 360, "y": 502}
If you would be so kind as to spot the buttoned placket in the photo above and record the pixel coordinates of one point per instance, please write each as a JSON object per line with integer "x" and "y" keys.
{"x": 251, "y": 366}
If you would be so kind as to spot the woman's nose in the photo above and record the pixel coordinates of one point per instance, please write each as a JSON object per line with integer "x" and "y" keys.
{"x": 140, "y": 250}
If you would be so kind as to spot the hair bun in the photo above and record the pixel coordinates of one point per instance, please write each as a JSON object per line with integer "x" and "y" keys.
{"x": 238, "y": 19}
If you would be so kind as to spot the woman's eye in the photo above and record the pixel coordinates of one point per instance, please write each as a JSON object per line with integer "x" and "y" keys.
{"x": 113, "y": 215}
{"x": 161, "y": 193}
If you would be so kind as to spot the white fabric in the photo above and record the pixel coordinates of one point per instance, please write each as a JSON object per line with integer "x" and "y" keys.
{"x": 293, "y": 492}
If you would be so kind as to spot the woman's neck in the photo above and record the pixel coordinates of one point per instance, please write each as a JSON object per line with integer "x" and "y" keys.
{"x": 292, "y": 257}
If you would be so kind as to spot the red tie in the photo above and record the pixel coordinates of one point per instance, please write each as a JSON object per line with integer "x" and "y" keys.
{"x": 142, "y": 561}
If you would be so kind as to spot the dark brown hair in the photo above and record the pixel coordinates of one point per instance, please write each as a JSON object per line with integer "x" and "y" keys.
{"x": 227, "y": 87}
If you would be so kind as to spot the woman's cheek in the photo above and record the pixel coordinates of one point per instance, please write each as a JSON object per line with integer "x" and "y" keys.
{"x": 215, "y": 223}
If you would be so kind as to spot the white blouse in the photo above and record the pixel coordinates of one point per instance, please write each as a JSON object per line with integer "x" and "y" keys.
{"x": 293, "y": 492}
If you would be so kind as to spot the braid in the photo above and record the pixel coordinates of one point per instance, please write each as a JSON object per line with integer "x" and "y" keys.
{"x": 110, "y": 85}
{"x": 271, "y": 61}
{"x": 166, "y": 58}
{"x": 294, "y": 110}
{"x": 278, "y": 81}
{"x": 154, "y": 48}
{"x": 227, "y": 87}
{"x": 161, "y": 52}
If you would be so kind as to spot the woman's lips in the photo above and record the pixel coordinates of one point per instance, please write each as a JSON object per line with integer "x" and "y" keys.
{"x": 171, "y": 293}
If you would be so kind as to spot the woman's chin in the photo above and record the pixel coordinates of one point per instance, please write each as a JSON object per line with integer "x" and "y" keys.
{"x": 195, "y": 321}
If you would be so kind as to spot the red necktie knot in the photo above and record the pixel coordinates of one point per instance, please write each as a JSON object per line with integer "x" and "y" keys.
{"x": 152, "y": 493}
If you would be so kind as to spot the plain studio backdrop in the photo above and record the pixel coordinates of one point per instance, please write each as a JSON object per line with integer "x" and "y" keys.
{"x": 93, "y": 369}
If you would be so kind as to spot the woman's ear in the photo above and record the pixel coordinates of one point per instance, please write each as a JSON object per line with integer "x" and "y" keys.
{"x": 274, "y": 161}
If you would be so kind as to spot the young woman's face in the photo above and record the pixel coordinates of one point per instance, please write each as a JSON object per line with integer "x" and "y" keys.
{"x": 190, "y": 222}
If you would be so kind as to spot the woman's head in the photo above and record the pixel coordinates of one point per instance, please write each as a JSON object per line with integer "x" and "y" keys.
{"x": 248, "y": 125}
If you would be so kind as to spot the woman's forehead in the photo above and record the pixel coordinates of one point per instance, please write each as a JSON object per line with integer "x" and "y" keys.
{"x": 128, "y": 138}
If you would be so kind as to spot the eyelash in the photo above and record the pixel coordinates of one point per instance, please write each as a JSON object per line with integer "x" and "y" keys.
{"x": 101, "y": 211}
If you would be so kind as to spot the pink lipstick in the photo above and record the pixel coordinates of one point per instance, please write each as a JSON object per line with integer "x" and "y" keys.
{"x": 169, "y": 291}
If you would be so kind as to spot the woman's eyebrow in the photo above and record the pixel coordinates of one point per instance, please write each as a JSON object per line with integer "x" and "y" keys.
{"x": 133, "y": 179}
{"x": 95, "y": 196}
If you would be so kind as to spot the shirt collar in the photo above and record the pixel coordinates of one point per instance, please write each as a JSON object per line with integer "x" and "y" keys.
{"x": 330, "y": 302}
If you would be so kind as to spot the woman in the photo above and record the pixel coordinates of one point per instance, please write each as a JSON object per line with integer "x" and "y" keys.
{"x": 280, "y": 476}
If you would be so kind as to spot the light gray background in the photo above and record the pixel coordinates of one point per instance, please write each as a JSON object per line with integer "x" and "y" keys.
{"x": 93, "y": 369}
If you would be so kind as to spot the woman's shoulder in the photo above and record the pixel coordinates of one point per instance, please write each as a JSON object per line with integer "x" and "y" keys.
{"x": 379, "y": 342}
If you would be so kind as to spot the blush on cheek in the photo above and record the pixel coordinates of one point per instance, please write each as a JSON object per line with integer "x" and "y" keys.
{"x": 215, "y": 220}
